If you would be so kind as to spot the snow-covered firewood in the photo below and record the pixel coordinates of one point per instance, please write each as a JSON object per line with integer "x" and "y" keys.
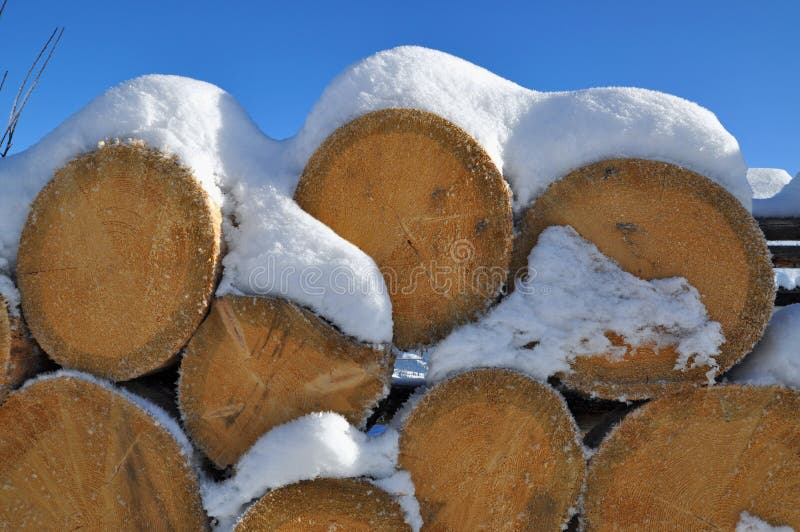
{"x": 256, "y": 363}
{"x": 658, "y": 220}
{"x": 425, "y": 201}
{"x": 118, "y": 261}
{"x": 76, "y": 454}
{"x": 323, "y": 505}
{"x": 493, "y": 449}
{"x": 698, "y": 460}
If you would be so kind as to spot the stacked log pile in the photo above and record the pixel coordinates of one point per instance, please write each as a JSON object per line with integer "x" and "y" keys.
{"x": 117, "y": 268}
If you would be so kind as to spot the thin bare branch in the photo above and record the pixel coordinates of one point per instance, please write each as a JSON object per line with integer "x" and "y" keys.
{"x": 28, "y": 75}
{"x": 3, "y": 7}
{"x": 21, "y": 100}
{"x": 3, "y": 81}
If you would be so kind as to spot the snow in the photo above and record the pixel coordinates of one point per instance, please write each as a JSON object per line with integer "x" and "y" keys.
{"x": 751, "y": 523}
{"x": 539, "y": 329}
{"x": 766, "y": 182}
{"x": 275, "y": 248}
{"x": 787, "y": 278}
{"x": 401, "y": 487}
{"x": 159, "y": 416}
{"x": 776, "y": 357}
{"x": 313, "y": 446}
{"x": 279, "y": 250}
{"x": 785, "y": 203}
{"x": 534, "y": 137}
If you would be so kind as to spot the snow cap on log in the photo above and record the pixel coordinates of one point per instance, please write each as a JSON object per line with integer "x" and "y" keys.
{"x": 533, "y": 137}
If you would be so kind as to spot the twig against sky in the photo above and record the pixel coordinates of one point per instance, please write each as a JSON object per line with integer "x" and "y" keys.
{"x": 29, "y": 83}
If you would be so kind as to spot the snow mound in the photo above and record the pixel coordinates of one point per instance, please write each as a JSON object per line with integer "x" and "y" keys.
{"x": 784, "y": 203}
{"x": 539, "y": 329}
{"x": 751, "y": 523}
{"x": 766, "y": 182}
{"x": 239, "y": 167}
{"x": 535, "y": 138}
{"x": 313, "y": 446}
{"x": 776, "y": 357}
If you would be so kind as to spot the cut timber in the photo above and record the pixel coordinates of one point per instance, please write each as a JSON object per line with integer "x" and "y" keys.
{"x": 493, "y": 450}
{"x": 74, "y": 454}
{"x": 20, "y": 358}
{"x": 118, "y": 261}
{"x": 697, "y": 460}
{"x": 256, "y": 363}
{"x": 659, "y": 220}
{"x": 325, "y": 505}
{"x": 424, "y": 200}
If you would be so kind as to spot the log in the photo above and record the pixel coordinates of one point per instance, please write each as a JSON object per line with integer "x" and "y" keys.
{"x": 698, "y": 460}
{"x": 493, "y": 450}
{"x": 324, "y": 505}
{"x": 256, "y": 363}
{"x": 118, "y": 261}
{"x": 20, "y": 357}
{"x": 780, "y": 228}
{"x": 425, "y": 201}
{"x": 660, "y": 220}
{"x": 74, "y": 454}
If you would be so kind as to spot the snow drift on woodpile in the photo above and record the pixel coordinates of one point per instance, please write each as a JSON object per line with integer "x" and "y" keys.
{"x": 534, "y": 137}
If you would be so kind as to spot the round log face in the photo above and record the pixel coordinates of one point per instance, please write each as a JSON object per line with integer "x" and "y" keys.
{"x": 659, "y": 220}
{"x": 424, "y": 200}
{"x": 325, "y": 505}
{"x": 493, "y": 450}
{"x": 76, "y": 455}
{"x": 118, "y": 261}
{"x": 696, "y": 461}
{"x": 256, "y": 363}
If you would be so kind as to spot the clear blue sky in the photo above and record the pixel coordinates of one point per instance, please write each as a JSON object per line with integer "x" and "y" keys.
{"x": 741, "y": 59}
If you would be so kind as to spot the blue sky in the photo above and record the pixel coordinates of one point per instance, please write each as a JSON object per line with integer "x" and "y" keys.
{"x": 741, "y": 59}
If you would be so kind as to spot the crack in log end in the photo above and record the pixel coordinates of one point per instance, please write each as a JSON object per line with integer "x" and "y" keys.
{"x": 230, "y": 412}
{"x": 125, "y": 457}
